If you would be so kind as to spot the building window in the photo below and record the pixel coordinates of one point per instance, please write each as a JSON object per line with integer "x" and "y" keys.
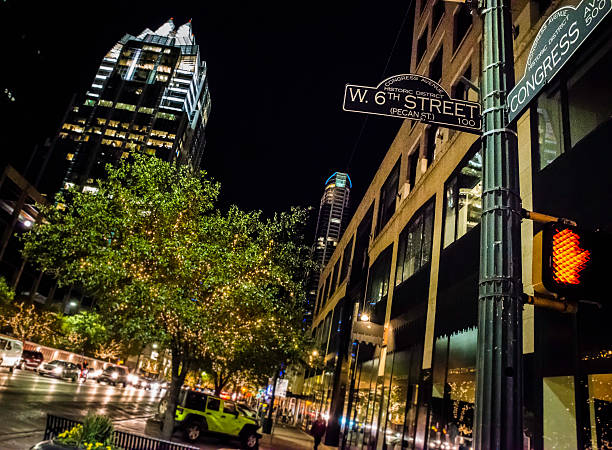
{"x": 460, "y": 90}
{"x": 462, "y": 199}
{"x": 432, "y": 133}
{"x": 378, "y": 279}
{"x": 421, "y": 46}
{"x": 550, "y": 128}
{"x": 413, "y": 163}
{"x": 436, "y": 14}
{"x": 319, "y": 300}
{"x": 588, "y": 111}
{"x": 346, "y": 260}
{"x": 462, "y": 24}
{"x": 569, "y": 112}
{"x": 388, "y": 197}
{"x": 414, "y": 248}
{"x": 435, "y": 66}
{"x": 335, "y": 275}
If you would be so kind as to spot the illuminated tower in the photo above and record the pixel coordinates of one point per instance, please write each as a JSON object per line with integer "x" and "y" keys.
{"x": 149, "y": 95}
{"x": 332, "y": 221}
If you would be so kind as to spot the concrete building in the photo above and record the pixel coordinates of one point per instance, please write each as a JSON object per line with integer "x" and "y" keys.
{"x": 409, "y": 259}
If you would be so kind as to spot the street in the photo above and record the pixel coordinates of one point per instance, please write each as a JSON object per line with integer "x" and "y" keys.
{"x": 26, "y": 398}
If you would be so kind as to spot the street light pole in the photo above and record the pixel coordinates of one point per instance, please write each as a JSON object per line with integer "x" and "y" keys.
{"x": 498, "y": 410}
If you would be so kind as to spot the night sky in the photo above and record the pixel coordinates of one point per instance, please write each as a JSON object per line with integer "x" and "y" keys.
{"x": 276, "y": 75}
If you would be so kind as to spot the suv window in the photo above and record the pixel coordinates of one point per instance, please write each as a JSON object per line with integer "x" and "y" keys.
{"x": 195, "y": 400}
{"x": 213, "y": 404}
{"x": 229, "y": 407}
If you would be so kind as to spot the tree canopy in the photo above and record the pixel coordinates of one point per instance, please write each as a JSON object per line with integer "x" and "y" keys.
{"x": 166, "y": 265}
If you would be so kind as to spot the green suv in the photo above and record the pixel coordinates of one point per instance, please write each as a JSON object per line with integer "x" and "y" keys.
{"x": 198, "y": 413}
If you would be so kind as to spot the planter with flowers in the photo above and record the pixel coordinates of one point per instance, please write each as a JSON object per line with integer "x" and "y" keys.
{"x": 95, "y": 434}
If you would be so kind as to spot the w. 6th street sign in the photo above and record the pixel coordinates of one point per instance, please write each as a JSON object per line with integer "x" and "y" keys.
{"x": 415, "y": 97}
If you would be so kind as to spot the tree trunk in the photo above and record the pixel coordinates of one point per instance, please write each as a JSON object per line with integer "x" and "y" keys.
{"x": 220, "y": 382}
{"x": 179, "y": 371}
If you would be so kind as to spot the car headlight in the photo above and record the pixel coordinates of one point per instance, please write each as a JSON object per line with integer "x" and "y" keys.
{"x": 115, "y": 375}
{"x": 58, "y": 370}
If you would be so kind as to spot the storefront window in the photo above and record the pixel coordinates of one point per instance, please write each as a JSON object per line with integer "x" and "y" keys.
{"x": 453, "y": 393}
{"x": 366, "y": 382}
{"x": 600, "y": 403}
{"x": 559, "y": 413}
{"x": 401, "y": 410}
{"x": 463, "y": 199}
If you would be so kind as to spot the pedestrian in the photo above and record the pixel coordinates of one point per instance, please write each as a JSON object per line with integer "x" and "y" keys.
{"x": 318, "y": 431}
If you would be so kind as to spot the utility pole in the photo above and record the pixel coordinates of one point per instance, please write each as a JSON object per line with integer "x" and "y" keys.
{"x": 498, "y": 422}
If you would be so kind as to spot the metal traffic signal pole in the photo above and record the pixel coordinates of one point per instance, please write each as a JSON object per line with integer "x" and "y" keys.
{"x": 498, "y": 422}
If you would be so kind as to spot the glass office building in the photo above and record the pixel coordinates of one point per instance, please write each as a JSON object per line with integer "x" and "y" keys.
{"x": 149, "y": 95}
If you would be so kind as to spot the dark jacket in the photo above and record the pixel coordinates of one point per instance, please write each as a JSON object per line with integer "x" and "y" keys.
{"x": 318, "y": 428}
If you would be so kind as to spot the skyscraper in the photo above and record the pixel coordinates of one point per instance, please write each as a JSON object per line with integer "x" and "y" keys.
{"x": 331, "y": 223}
{"x": 150, "y": 94}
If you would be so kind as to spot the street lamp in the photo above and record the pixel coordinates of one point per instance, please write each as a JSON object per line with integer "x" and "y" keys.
{"x": 72, "y": 303}
{"x": 154, "y": 346}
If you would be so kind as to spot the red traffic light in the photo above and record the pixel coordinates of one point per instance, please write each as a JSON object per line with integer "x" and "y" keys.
{"x": 569, "y": 261}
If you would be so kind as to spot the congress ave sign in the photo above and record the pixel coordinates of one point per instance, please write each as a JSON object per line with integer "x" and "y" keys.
{"x": 560, "y": 36}
{"x": 411, "y": 96}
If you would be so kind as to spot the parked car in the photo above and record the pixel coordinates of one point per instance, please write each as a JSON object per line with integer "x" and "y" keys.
{"x": 30, "y": 360}
{"x": 60, "y": 369}
{"x": 198, "y": 413}
{"x": 114, "y": 375}
{"x": 10, "y": 352}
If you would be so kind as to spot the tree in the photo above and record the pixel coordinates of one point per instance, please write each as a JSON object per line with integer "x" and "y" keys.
{"x": 166, "y": 266}
{"x": 28, "y": 323}
{"x": 109, "y": 351}
{"x": 85, "y": 332}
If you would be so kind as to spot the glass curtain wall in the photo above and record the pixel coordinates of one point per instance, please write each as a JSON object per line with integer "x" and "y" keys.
{"x": 453, "y": 391}
{"x": 403, "y": 392}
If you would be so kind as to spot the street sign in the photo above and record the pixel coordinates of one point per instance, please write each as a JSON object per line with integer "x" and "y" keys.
{"x": 558, "y": 39}
{"x": 415, "y": 97}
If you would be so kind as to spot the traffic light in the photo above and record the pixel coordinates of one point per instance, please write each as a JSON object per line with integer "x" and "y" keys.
{"x": 570, "y": 262}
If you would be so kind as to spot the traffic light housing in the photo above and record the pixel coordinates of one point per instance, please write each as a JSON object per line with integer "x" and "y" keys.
{"x": 570, "y": 262}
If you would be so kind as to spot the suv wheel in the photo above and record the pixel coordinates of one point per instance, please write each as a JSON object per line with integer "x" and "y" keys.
{"x": 249, "y": 440}
{"x": 193, "y": 430}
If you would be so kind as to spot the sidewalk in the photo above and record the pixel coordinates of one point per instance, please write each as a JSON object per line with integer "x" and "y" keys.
{"x": 282, "y": 438}
{"x": 289, "y": 438}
